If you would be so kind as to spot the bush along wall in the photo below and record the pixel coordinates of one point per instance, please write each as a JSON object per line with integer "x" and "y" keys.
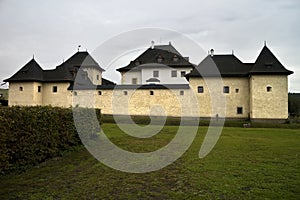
{"x": 30, "y": 135}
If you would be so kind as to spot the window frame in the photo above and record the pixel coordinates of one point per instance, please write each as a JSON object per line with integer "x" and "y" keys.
{"x": 200, "y": 91}
{"x": 226, "y": 89}
{"x": 155, "y": 74}
{"x": 54, "y": 89}
{"x": 174, "y": 74}
{"x": 239, "y": 110}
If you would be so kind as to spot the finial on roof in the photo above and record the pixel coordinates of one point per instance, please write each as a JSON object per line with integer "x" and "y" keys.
{"x": 78, "y": 47}
{"x": 152, "y": 44}
{"x": 212, "y": 52}
{"x": 32, "y": 56}
{"x": 265, "y": 43}
{"x": 232, "y": 52}
{"x": 170, "y": 43}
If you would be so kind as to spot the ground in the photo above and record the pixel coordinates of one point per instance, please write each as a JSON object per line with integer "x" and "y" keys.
{"x": 252, "y": 163}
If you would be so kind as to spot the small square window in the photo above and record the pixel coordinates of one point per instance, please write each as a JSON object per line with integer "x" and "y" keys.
{"x": 21, "y": 89}
{"x": 239, "y": 110}
{"x": 151, "y": 92}
{"x": 134, "y": 81}
{"x": 237, "y": 90}
{"x": 174, "y": 73}
{"x": 269, "y": 89}
{"x": 125, "y": 92}
{"x": 155, "y": 74}
{"x": 226, "y": 89}
{"x": 54, "y": 89}
{"x": 99, "y": 92}
{"x": 181, "y": 92}
{"x": 182, "y": 73}
{"x": 200, "y": 89}
{"x": 39, "y": 88}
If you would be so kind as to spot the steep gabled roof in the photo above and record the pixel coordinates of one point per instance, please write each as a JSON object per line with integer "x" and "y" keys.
{"x": 30, "y": 72}
{"x": 231, "y": 66}
{"x": 162, "y": 54}
{"x": 169, "y": 48}
{"x": 66, "y": 72}
{"x": 84, "y": 59}
{"x": 267, "y": 63}
{"x": 221, "y": 65}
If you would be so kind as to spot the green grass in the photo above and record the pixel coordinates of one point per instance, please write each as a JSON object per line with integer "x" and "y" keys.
{"x": 254, "y": 163}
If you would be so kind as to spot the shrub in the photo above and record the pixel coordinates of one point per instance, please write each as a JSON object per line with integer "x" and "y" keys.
{"x": 30, "y": 135}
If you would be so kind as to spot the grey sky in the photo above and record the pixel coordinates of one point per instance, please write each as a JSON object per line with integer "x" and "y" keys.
{"x": 52, "y": 30}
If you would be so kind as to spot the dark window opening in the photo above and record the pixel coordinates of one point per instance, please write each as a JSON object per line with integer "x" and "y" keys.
{"x": 239, "y": 110}
{"x": 182, "y": 73}
{"x": 125, "y": 92}
{"x": 75, "y": 93}
{"x": 21, "y": 89}
{"x": 155, "y": 74}
{"x": 39, "y": 88}
{"x": 269, "y": 89}
{"x": 181, "y": 92}
{"x": 226, "y": 89}
{"x": 54, "y": 89}
{"x": 200, "y": 89}
{"x": 151, "y": 92}
{"x": 99, "y": 92}
{"x": 237, "y": 90}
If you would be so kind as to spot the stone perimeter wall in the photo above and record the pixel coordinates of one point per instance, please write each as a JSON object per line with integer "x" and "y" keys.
{"x": 247, "y": 93}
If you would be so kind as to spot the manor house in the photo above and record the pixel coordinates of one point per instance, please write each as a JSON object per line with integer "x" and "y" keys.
{"x": 161, "y": 81}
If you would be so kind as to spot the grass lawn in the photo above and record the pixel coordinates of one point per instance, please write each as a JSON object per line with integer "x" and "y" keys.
{"x": 253, "y": 163}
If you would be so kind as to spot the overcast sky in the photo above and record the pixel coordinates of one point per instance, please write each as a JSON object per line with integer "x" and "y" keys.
{"x": 52, "y": 30}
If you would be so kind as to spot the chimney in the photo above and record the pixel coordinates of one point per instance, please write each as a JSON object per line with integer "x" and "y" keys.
{"x": 212, "y": 52}
{"x": 152, "y": 44}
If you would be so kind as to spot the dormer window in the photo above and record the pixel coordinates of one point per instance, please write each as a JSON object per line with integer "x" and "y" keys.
{"x": 175, "y": 58}
{"x": 159, "y": 59}
{"x": 137, "y": 62}
{"x": 269, "y": 65}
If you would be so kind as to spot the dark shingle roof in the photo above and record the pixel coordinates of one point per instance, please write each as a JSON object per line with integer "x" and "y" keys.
{"x": 62, "y": 73}
{"x": 231, "y": 66}
{"x": 167, "y": 53}
{"x": 267, "y": 63}
{"x": 30, "y": 72}
{"x": 225, "y": 65}
{"x": 107, "y": 82}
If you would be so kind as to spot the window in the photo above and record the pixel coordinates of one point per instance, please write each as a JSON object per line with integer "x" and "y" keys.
{"x": 75, "y": 93}
{"x": 174, "y": 73}
{"x": 181, "y": 92}
{"x": 200, "y": 89}
{"x": 175, "y": 58}
{"x": 39, "y": 88}
{"x": 237, "y": 90}
{"x": 226, "y": 89}
{"x": 54, "y": 89}
{"x": 182, "y": 73}
{"x": 21, "y": 89}
{"x": 155, "y": 74}
{"x": 98, "y": 77}
{"x": 269, "y": 89}
{"x": 151, "y": 92}
{"x": 239, "y": 110}
{"x": 159, "y": 59}
{"x": 125, "y": 92}
{"x": 134, "y": 81}
{"x": 99, "y": 92}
